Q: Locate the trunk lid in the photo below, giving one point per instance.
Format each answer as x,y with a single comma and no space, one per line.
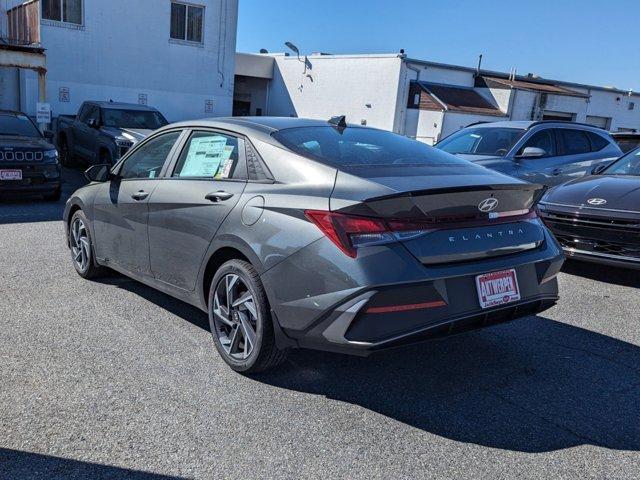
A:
464,215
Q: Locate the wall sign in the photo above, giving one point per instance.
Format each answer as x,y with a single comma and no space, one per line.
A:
142,99
43,113
208,106
63,95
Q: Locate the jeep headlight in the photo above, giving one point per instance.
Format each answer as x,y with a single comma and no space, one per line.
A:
50,155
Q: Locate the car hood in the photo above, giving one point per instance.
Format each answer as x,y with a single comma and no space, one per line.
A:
619,192
133,134
21,143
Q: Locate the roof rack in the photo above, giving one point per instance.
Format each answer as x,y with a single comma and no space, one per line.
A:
567,122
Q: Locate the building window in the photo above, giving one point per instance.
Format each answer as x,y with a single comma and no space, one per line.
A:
187,22
66,11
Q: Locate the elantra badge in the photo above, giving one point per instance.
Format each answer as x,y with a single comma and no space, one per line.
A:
596,201
488,205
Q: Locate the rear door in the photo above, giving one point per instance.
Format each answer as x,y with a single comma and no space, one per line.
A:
575,155
186,209
121,207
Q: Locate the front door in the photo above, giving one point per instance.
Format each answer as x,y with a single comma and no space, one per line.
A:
188,207
87,136
121,207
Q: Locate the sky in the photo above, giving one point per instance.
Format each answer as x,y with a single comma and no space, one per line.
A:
583,41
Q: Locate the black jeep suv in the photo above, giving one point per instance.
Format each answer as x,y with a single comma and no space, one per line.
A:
28,161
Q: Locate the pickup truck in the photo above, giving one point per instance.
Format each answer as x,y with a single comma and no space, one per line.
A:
102,132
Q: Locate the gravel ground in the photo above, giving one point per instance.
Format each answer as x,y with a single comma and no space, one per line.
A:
112,379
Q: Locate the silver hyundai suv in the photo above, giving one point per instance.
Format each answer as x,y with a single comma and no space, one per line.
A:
548,152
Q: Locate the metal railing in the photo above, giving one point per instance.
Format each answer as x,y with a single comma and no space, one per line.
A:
20,24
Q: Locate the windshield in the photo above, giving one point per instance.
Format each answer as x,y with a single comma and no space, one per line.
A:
627,165
356,147
19,125
143,119
494,141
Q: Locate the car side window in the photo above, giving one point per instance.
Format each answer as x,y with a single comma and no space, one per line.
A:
147,160
94,114
210,155
84,113
598,142
542,139
573,142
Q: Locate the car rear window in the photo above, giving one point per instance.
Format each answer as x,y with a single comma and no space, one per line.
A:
355,147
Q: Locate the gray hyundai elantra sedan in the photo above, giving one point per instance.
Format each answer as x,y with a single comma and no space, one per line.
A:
316,234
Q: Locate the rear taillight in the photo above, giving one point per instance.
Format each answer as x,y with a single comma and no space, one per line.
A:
349,232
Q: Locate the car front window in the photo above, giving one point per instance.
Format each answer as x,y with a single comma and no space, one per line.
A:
18,125
627,165
142,119
494,141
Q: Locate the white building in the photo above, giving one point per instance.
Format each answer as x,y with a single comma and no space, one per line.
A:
177,56
421,99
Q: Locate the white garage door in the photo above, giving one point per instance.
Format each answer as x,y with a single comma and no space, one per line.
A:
602,122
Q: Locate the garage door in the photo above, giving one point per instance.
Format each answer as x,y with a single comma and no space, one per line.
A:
602,122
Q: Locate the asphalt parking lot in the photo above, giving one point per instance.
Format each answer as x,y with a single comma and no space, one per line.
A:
111,379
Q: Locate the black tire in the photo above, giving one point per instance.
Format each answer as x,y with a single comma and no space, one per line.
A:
89,269
54,197
265,354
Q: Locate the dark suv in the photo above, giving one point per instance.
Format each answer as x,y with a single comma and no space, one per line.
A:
28,161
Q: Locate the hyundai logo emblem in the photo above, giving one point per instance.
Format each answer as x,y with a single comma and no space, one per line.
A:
596,201
488,204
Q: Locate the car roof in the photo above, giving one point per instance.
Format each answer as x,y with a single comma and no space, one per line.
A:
518,124
527,125
120,105
260,127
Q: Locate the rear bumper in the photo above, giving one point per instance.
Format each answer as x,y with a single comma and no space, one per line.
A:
350,320
454,309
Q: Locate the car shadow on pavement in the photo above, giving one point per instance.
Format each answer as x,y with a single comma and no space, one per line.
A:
15,464
625,277
534,385
181,309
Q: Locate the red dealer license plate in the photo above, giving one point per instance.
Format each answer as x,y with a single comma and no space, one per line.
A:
497,288
10,174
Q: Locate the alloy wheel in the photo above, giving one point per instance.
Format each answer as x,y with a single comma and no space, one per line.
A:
80,247
235,317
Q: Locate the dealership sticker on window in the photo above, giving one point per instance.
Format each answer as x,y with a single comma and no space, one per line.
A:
205,156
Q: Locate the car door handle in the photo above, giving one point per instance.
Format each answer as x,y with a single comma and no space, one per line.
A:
140,195
556,171
219,196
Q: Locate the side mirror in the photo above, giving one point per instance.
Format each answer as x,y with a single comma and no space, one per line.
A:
98,173
93,123
533,152
598,169
48,134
